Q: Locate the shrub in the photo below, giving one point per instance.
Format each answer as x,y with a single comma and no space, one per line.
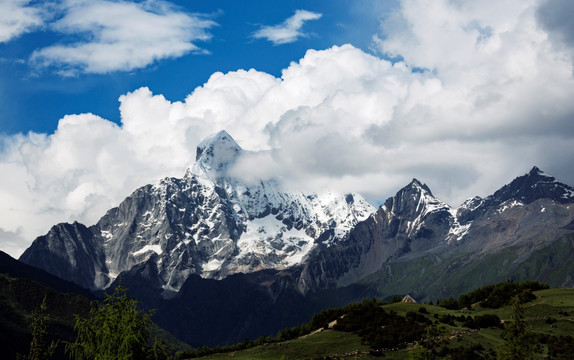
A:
483,321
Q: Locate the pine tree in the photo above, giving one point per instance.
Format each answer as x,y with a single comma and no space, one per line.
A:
115,331
519,342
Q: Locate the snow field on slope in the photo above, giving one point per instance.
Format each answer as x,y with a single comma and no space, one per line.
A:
268,235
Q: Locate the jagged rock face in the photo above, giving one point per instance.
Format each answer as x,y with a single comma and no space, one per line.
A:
71,252
413,221
513,223
206,224
178,221
182,245
216,231
533,186
529,213
414,213
522,190
211,225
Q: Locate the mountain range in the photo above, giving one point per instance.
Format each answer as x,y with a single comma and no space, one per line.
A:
221,260
205,223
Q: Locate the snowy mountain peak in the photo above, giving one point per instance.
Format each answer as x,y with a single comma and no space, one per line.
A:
533,186
414,209
419,187
472,203
216,152
208,224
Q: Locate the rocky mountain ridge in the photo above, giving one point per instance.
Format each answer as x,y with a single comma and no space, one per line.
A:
271,257
205,223
415,226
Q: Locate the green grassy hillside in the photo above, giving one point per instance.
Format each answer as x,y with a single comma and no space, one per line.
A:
550,316
460,273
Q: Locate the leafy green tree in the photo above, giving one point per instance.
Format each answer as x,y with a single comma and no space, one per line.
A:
519,341
419,352
39,348
115,331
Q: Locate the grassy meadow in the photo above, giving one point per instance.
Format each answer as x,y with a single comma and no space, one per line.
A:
551,313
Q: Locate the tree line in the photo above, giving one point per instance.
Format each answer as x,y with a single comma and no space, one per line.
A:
495,296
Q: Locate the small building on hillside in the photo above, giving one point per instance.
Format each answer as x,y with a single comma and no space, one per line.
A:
409,299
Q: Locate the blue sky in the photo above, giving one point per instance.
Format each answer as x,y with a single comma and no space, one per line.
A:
99,97
34,98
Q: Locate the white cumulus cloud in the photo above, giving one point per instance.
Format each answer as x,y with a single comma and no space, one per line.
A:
289,31
120,36
18,17
495,100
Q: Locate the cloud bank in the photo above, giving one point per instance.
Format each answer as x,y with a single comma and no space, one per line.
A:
289,31
17,18
495,99
120,36
555,17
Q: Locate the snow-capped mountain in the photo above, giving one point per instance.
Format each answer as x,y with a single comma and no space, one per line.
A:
529,213
206,223
521,191
411,222
207,249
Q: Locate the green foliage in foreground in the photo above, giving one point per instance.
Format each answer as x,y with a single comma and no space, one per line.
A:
115,330
519,341
39,348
